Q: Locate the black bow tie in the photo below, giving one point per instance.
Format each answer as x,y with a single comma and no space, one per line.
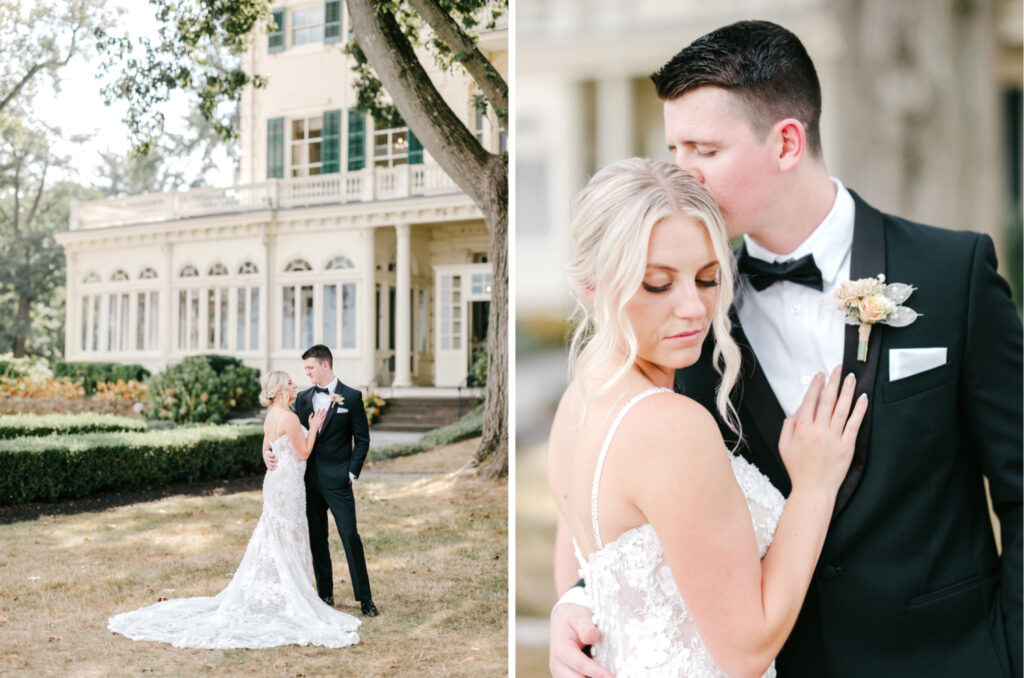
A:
763,274
320,389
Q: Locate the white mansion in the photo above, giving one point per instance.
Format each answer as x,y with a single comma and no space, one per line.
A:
339,232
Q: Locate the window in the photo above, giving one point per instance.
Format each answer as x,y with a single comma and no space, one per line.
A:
147,274
140,321
343,324
421,326
307,138
247,318
451,312
331,142
188,319
217,319
275,41
297,307
154,321
275,148
119,275
332,21
91,277
189,271
391,147
480,283
480,128
218,269
339,262
248,268
298,265
307,26
117,317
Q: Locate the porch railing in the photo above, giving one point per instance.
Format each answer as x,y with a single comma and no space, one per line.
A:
367,185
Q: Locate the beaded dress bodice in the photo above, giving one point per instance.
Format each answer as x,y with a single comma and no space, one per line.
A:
646,630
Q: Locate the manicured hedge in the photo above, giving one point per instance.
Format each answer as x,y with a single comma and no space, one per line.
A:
69,467
91,374
203,388
18,425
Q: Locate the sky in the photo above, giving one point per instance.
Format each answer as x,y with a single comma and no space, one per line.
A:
78,107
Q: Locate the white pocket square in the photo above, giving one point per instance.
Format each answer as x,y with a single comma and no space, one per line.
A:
906,362
342,410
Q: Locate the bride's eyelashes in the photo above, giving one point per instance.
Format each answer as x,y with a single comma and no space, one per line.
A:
655,289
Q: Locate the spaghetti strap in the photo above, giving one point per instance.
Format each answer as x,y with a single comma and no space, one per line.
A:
604,451
278,433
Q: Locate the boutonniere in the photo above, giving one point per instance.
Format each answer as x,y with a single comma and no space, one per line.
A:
337,399
868,301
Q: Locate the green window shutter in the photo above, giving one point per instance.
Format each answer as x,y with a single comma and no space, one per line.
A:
275,41
332,21
275,148
415,150
356,140
332,142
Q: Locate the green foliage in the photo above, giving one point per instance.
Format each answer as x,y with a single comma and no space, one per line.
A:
478,370
69,467
469,426
90,374
19,425
372,404
34,368
203,388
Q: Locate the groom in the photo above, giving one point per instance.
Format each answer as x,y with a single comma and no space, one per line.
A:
332,467
909,582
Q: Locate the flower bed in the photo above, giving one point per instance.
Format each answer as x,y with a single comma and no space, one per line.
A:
18,425
72,466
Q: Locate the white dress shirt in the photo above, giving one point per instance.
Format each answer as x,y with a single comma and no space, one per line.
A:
796,331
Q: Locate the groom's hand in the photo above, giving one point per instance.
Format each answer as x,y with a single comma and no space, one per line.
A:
572,628
269,459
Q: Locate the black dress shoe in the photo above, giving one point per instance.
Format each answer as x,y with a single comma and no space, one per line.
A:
328,599
369,609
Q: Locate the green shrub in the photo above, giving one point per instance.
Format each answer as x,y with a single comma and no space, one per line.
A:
193,391
90,374
36,369
18,425
478,371
69,467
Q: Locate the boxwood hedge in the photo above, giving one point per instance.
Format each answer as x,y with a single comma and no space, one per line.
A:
18,425
73,466
90,374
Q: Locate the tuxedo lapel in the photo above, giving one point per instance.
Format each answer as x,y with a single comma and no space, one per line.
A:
331,407
867,260
755,394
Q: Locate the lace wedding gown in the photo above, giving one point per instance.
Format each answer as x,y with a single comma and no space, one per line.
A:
646,629
270,600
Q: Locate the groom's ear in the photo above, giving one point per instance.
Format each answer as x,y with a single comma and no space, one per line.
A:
790,139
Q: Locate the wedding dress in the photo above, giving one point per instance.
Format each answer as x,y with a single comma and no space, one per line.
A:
646,631
270,600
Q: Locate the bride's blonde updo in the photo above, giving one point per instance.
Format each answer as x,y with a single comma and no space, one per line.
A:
273,384
611,229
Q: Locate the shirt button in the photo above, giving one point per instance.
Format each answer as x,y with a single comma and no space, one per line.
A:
805,380
796,308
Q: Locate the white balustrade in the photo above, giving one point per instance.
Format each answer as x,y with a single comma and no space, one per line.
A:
367,185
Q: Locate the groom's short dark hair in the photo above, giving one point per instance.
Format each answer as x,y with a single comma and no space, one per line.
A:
321,353
762,63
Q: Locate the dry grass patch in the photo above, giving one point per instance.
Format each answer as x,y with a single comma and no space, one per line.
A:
436,553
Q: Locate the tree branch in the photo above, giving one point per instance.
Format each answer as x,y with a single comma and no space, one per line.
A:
21,83
442,133
476,64
39,193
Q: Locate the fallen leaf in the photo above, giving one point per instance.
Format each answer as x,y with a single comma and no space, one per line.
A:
206,533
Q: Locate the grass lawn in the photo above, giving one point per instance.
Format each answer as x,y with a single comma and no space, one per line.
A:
436,549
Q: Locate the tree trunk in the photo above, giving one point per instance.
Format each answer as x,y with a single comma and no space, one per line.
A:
21,324
492,455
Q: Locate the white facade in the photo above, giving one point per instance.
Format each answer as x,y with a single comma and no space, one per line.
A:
339,232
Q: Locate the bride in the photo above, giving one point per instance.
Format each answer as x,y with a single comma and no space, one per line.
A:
270,600
671,531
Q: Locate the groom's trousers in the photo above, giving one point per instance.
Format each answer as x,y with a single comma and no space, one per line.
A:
342,505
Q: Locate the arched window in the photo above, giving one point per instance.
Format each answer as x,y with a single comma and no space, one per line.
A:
147,274
119,275
91,277
189,271
218,269
248,268
296,265
339,262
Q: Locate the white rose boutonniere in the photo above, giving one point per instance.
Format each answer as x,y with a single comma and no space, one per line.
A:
868,301
337,399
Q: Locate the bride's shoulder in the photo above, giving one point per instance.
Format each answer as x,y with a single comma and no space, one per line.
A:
662,422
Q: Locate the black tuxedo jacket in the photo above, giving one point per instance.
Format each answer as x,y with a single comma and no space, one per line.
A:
343,441
909,582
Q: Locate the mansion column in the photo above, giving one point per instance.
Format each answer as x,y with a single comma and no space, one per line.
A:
366,308
403,310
